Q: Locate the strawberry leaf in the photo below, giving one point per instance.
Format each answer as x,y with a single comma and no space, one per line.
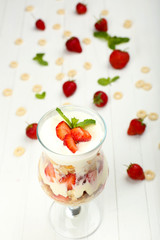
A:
39,59
40,95
107,81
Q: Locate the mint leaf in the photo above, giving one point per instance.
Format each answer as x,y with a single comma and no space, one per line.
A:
64,117
74,122
40,95
39,59
107,81
86,122
102,35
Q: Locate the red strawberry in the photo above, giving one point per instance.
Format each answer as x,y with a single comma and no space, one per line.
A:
31,131
136,127
119,59
40,24
100,98
135,172
62,129
73,45
80,135
49,171
101,25
69,87
60,198
81,8
91,176
69,142
69,179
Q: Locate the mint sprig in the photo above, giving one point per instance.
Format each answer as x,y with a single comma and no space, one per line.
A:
107,81
40,95
74,121
39,59
112,41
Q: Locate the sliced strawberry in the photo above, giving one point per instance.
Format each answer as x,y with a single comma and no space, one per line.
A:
70,143
60,198
86,136
49,171
62,129
80,135
91,176
69,179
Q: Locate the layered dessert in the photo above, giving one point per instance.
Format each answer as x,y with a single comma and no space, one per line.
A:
72,168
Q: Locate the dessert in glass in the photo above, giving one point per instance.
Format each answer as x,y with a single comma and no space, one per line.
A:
72,168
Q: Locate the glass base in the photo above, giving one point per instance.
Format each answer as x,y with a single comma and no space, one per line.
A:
75,222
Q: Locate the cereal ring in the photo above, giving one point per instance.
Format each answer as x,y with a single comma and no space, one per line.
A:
149,175
147,86
29,8
127,24
42,42
37,88
19,151
87,65
141,114
139,83
56,26
14,64
117,95
66,103
67,34
145,69
7,92
72,73
18,41
104,12
25,76
20,111
60,76
153,116
59,61
86,41
61,11
159,145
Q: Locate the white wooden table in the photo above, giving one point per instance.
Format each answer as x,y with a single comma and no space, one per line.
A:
131,209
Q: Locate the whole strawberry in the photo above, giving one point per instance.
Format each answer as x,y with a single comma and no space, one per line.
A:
136,127
73,45
31,131
135,172
101,25
100,98
81,8
40,24
69,87
119,59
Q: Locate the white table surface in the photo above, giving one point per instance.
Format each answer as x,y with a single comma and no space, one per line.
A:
131,210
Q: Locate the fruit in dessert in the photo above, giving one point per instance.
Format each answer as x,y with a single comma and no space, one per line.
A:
119,59
49,171
31,131
69,179
62,129
81,8
135,172
69,87
100,99
80,135
136,127
73,45
40,24
91,176
101,25
70,143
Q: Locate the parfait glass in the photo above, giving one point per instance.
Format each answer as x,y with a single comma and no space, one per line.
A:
72,180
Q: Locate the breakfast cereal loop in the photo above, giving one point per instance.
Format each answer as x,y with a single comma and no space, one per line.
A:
66,103
127,24
42,42
117,95
37,88
147,86
139,83
86,41
61,11
29,8
145,69
104,12
14,64
59,61
158,145
149,175
56,26
7,92
18,41
72,73
153,116
20,111
141,114
60,76
87,65
19,151
67,34
25,76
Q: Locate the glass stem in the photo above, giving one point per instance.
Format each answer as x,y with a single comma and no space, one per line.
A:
74,211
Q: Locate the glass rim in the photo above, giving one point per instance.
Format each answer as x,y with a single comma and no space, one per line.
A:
76,107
